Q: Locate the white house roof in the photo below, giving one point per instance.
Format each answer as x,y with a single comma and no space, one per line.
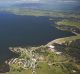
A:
51,46
58,52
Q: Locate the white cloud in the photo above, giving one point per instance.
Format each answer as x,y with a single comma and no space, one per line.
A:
19,0
27,0
67,1
43,1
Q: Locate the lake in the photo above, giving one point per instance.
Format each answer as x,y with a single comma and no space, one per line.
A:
17,30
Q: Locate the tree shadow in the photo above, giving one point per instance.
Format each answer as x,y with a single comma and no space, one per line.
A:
72,49
4,68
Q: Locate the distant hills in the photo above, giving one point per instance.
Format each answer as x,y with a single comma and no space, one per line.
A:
55,6
52,5
29,5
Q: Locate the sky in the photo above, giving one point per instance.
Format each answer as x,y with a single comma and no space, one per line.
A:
34,1
19,0
46,1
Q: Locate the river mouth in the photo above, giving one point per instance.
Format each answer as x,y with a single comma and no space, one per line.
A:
17,30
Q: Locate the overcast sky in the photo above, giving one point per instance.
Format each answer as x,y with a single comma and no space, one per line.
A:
34,1
38,0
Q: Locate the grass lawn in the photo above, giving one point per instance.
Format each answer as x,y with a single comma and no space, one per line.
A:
22,72
44,68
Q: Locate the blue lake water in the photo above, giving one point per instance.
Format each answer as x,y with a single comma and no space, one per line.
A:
16,30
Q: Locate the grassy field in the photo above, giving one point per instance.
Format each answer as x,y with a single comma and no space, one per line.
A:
22,72
69,23
44,68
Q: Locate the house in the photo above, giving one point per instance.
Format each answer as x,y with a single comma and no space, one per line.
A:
73,71
52,47
58,53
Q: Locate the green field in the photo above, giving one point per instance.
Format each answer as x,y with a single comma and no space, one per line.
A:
43,68
69,23
22,72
